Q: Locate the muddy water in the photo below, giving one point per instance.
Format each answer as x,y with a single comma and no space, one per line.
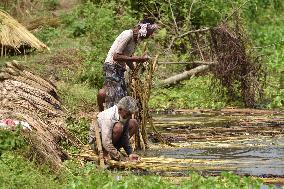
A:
246,144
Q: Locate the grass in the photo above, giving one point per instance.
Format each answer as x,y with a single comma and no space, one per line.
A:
78,96
16,172
196,92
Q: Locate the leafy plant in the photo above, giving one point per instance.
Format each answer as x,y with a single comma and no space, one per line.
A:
79,127
10,140
47,33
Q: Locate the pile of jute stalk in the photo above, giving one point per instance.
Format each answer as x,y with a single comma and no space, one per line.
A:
25,96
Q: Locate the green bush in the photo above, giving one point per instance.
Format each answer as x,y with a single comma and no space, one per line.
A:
46,34
51,4
117,180
100,24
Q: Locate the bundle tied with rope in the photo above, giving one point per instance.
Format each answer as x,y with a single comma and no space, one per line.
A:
27,97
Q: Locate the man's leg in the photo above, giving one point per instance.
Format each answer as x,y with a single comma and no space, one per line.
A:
117,132
101,99
133,127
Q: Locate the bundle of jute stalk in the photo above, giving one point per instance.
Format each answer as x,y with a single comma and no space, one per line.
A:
141,83
14,36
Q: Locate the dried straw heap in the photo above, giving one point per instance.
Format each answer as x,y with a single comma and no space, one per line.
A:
27,97
16,38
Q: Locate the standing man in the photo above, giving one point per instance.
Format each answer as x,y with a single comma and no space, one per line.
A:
116,128
120,55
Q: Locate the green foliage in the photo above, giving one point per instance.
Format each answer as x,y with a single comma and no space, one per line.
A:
225,180
267,33
17,172
79,127
100,24
278,100
92,72
105,179
196,92
10,140
47,33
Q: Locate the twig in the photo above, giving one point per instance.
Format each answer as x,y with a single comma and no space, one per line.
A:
182,35
170,45
160,137
192,62
190,9
158,10
165,25
173,17
193,31
234,11
199,49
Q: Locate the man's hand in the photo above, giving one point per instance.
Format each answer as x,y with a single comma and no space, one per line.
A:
134,157
123,158
145,58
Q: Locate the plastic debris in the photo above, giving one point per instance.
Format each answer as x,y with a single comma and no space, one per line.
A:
11,123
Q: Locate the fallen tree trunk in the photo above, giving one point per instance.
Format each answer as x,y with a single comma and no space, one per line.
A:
183,76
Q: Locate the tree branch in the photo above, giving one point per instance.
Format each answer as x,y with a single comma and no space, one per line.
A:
192,62
173,17
183,76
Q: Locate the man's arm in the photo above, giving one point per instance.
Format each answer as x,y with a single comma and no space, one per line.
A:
125,140
106,130
123,58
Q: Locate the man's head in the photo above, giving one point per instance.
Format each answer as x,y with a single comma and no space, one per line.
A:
146,28
127,106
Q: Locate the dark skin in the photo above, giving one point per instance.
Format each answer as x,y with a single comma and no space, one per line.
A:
122,59
118,130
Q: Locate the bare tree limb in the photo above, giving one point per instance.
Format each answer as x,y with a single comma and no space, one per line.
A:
177,30
183,76
200,52
192,62
190,10
152,14
193,31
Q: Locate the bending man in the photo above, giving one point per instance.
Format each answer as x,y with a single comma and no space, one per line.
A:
120,55
117,128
